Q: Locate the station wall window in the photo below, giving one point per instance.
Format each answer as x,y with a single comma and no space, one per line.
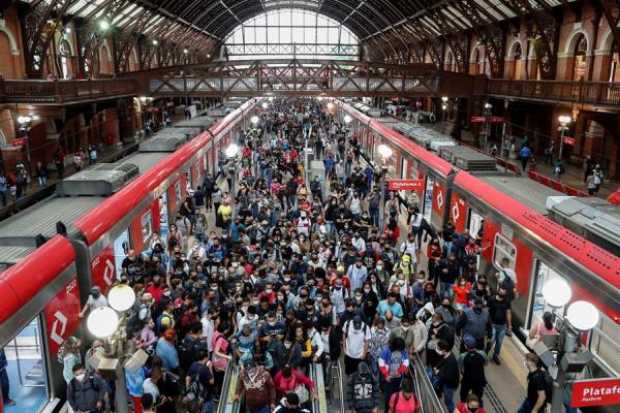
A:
26,371
504,248
605,343
147,226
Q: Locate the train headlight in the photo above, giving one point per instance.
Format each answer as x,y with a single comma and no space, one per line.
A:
102,322
121,297
582,315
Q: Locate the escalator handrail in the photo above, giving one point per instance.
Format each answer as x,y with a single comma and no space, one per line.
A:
225,389
319,404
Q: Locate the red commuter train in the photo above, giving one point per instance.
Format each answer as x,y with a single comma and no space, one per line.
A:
42,294
515,228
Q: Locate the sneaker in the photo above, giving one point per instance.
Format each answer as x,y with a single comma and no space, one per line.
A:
496,360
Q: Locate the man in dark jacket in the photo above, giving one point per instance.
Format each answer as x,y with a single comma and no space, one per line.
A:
472,366
477,323
85,393
448,373
290,404
362,392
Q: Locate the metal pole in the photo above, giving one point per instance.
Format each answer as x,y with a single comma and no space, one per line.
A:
382,200
562,129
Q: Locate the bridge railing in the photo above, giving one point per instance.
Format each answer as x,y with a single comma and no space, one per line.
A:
601,93
63,91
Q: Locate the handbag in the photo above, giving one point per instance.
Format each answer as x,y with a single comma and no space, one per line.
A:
302,392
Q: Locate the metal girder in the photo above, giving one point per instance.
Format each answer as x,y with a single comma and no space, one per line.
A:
293,77
611,10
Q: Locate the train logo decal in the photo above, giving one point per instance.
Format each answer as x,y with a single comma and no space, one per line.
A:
440,199
456,213
108,272
59,327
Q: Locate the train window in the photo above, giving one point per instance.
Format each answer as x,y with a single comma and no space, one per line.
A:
543,275
428,198
163,215
504,250
605,343
177,191
147,226
121,248
26,371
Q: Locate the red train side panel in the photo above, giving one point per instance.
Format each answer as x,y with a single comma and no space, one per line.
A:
20,283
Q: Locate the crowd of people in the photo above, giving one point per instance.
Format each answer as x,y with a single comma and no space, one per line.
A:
294,269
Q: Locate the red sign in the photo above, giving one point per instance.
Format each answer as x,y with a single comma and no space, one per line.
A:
405,184
62,316
103,270
490,119
458,212
601,392
569,140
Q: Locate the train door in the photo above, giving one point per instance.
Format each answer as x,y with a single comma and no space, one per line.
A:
163,215
428,198
542,274
26,371
121,247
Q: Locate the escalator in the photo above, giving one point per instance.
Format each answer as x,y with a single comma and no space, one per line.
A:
319,404
227,403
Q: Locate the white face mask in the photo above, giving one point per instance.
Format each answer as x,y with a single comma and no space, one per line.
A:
81,377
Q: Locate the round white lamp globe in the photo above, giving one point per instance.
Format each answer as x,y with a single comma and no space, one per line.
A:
102,322
582,315
557,292
347,119
121,297
232,150
255,119
384,150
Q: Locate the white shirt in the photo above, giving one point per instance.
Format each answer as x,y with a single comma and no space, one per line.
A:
303,226
355,339
359,244
151,388
93,302
409,248
207,331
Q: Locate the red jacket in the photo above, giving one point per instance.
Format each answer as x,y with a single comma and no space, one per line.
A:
285,385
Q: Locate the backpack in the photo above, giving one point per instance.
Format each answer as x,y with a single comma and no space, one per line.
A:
93,384
347,328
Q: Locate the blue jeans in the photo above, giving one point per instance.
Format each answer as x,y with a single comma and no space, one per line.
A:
207,407
446,288
448,397
499,332
527,406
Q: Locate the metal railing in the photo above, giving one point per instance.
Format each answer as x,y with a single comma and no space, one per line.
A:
427,398
319,404
64,91
227,403
601,93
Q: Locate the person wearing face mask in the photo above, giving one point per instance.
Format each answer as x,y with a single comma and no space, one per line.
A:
470,405
447,312
477,323
393,365
501,320
85,393
447,372
357,273
404,331
95,300
390,304
539,387
472,364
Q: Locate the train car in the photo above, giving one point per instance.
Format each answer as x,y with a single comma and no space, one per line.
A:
509,210
43,293
593,218
201,122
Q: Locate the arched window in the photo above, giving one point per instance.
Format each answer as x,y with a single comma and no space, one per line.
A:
290,33
614,64
580,59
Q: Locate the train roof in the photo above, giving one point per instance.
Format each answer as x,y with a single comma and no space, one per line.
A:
105,215
143,160
530,193
187,131
574,248
10,255
203,122
41,219
594,214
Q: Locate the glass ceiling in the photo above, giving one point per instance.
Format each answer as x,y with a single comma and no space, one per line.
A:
292,32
